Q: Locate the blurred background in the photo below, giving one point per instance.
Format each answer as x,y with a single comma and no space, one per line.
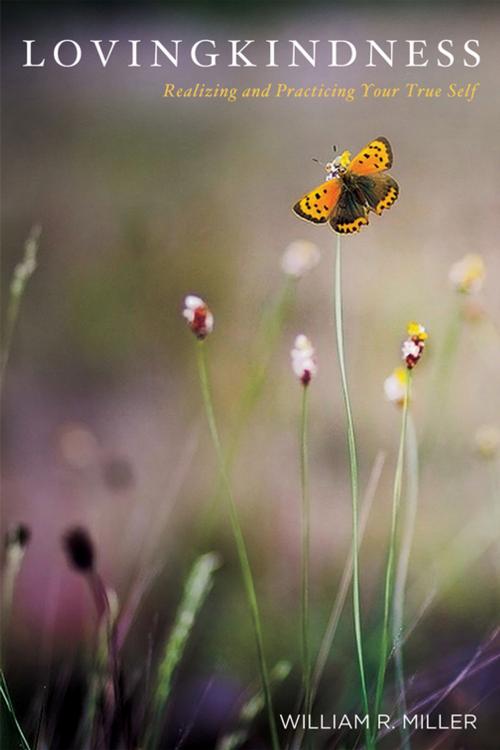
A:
143,200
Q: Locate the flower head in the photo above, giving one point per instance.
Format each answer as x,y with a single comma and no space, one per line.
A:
79,549
303,359
417,331
299,258
467,275
199,318
395,386
18,535
487,441
17,538
414,345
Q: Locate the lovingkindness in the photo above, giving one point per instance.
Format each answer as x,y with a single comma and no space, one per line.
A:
252,53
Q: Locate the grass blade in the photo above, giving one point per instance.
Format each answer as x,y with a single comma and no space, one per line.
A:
198,585
252,708
22,742
343,590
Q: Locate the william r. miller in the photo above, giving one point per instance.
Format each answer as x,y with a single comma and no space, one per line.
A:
382,721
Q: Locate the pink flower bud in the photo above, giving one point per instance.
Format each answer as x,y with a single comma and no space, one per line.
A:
199,318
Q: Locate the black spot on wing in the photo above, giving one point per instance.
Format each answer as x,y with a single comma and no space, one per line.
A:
387,145
307,215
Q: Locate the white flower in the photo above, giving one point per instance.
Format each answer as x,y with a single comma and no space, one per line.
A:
303,359
198,316
410,349
299,258
395,386
413,347
467,275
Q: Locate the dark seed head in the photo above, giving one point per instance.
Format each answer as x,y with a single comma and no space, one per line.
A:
79,549
20,535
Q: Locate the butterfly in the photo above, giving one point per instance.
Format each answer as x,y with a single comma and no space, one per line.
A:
353,188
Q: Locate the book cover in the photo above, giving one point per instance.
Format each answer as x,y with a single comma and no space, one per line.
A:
249,376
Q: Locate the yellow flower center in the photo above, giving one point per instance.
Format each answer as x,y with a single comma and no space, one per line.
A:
415,329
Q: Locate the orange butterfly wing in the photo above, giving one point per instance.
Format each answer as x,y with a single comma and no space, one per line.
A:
318,205
375,157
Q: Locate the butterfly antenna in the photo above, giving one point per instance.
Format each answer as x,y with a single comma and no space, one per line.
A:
318,161
334,148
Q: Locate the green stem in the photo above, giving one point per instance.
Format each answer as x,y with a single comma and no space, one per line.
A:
389,571
345,581
272,325
342,591
20,278
239,540
351,442
306,533
402,574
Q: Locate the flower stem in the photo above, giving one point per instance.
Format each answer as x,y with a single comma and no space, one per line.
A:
342,591
402,574
389,571
239,540
306,533
272,325
351,442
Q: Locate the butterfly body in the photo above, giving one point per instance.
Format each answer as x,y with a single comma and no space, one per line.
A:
352,189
